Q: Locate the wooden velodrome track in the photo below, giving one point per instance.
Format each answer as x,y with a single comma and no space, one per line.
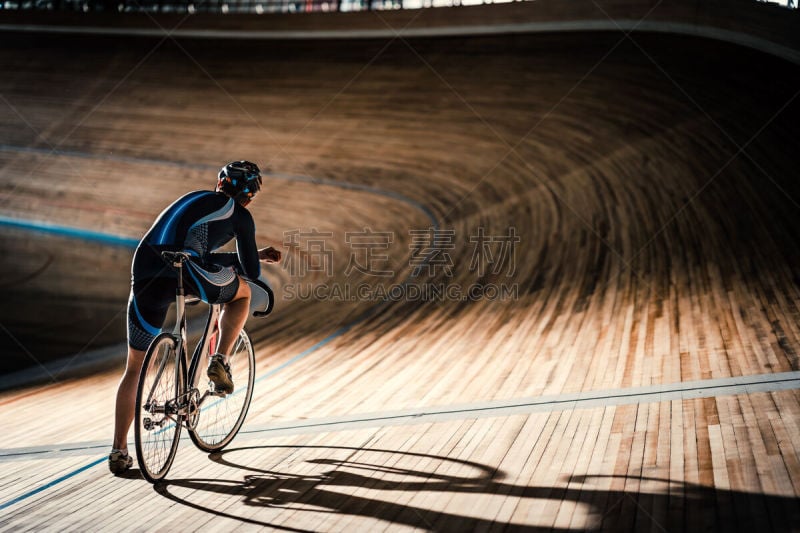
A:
644,376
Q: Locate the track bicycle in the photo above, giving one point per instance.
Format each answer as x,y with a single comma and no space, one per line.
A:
173,392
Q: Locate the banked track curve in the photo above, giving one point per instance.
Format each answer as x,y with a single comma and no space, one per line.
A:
654,250
34,375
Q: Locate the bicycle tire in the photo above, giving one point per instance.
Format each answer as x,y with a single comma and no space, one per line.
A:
220,420
161,382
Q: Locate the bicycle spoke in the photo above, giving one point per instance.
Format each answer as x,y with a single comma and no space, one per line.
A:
156,379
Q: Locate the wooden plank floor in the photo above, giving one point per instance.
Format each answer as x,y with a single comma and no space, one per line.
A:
659,246
628,467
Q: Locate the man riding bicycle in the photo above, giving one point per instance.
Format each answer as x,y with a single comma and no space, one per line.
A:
197,223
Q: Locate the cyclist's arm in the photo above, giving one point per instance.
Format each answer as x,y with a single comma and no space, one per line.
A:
246,247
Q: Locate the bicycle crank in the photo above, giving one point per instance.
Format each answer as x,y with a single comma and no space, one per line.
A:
193,409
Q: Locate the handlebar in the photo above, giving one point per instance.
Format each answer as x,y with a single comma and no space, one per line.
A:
270,298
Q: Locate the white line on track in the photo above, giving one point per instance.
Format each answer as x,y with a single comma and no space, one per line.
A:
579,400
679,28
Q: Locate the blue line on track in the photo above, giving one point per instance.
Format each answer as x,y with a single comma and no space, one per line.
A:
197,166
104,157
116,240
66,231
46,486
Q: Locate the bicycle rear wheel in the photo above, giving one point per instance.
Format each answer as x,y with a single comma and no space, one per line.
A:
220,418
158,424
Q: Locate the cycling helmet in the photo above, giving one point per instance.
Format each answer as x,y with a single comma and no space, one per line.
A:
240,180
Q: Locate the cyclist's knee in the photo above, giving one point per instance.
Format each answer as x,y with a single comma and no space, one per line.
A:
135,360
243,292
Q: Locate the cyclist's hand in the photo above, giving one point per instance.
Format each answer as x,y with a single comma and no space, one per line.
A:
269,255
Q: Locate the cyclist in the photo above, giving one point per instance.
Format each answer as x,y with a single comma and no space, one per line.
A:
197,223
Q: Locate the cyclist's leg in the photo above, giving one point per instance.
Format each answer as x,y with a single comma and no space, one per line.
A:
126,397
147,309
232,318
216,284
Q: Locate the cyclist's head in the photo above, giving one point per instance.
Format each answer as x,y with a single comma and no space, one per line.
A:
241,180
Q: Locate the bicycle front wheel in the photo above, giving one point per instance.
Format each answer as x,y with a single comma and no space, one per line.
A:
158,423
221,417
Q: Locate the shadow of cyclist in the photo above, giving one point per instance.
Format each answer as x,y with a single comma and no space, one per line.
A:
678,505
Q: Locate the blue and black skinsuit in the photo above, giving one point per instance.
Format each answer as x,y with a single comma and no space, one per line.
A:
197,223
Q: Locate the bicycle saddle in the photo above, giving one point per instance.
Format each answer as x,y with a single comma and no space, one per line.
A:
174,257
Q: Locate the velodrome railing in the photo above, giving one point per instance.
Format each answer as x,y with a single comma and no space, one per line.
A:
251,6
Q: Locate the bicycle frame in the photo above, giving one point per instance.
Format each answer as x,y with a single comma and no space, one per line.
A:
209,333
209,336
179,333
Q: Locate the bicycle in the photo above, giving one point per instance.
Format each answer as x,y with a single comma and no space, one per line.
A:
170,393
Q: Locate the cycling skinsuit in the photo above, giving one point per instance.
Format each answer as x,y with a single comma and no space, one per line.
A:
197,223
